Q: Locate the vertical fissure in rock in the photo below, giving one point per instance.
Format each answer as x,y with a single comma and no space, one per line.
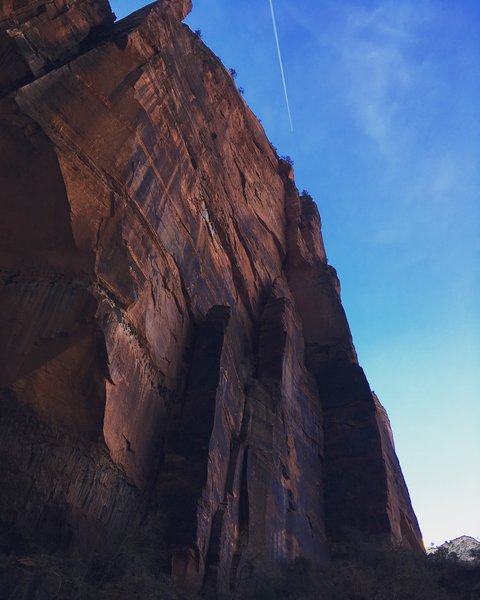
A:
243,523
185,470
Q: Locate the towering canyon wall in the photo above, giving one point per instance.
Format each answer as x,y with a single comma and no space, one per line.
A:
178,380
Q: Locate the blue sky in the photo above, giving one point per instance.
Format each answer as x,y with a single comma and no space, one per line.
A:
384,98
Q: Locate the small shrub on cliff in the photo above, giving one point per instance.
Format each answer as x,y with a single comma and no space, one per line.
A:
475,554
306,195
287,159
198,33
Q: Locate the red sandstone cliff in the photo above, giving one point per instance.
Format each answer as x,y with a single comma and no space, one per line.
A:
178,377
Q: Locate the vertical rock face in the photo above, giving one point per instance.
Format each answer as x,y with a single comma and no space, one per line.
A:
37,36
175,356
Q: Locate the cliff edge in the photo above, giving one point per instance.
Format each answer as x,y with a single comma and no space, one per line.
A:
178,380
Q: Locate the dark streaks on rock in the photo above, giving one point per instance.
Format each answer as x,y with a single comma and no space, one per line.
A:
179,382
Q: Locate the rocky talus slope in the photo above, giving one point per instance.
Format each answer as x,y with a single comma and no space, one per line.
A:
179,387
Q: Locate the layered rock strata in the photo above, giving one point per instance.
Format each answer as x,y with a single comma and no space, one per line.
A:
175,359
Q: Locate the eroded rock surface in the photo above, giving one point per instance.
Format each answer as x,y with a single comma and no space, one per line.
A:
176,362
36,36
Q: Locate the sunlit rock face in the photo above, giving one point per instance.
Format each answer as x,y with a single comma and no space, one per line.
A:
178,375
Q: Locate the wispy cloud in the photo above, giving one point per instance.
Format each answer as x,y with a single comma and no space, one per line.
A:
370,50
387,86
373,48
386,77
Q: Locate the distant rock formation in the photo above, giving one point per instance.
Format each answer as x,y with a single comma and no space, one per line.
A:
178,380
465,548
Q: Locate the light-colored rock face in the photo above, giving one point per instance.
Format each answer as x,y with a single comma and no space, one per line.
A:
465,548
167,305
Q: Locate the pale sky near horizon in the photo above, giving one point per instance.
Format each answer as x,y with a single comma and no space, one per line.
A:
385,99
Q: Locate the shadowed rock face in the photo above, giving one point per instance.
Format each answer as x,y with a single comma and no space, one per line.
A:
37,36
175,357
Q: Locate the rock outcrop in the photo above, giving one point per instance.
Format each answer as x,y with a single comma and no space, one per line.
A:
465,548
178,379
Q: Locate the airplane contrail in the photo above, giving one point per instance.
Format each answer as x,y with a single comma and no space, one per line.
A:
281,64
